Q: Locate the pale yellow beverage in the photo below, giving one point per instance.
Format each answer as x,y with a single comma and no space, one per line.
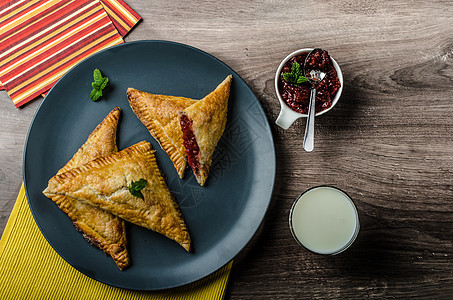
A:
324,220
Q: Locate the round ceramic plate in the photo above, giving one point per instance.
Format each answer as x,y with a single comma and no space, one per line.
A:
222,216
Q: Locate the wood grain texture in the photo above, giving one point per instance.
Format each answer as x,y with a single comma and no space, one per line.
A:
388,142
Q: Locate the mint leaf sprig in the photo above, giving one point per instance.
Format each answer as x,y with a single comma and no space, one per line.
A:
296,76
98,85
136,187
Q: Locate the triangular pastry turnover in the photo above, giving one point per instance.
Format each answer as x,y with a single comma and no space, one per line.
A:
159,113
100,228
105,183
202,125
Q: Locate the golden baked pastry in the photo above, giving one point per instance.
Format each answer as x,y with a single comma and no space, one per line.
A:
100,228
106,182
159,113
202,125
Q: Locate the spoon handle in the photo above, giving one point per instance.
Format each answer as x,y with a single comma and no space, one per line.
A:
309,138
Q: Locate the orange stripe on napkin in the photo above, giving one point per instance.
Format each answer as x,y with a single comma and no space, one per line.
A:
41,40
122,16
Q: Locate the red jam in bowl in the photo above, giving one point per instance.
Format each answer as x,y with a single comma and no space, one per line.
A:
297,97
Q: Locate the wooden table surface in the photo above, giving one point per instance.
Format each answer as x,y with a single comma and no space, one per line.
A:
388,142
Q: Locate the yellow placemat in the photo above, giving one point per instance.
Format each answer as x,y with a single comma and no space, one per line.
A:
31,269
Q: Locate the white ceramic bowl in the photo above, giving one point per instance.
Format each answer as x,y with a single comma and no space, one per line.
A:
287,116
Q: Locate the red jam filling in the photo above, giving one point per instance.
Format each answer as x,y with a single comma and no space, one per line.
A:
190,143
298,97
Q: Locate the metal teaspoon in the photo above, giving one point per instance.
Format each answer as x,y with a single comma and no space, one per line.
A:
315,77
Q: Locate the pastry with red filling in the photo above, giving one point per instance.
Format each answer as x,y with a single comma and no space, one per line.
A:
159,113
188,130
202,125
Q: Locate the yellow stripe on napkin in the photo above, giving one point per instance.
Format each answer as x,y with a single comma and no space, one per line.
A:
31,269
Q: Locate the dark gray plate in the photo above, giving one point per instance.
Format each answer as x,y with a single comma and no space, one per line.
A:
222,216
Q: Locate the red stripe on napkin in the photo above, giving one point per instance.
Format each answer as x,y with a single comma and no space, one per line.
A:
123,17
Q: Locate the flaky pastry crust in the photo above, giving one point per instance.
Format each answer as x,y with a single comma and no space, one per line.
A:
159,113
102,229
209,116
104,183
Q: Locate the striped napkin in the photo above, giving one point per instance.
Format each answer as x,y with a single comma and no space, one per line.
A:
40,40
31,269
